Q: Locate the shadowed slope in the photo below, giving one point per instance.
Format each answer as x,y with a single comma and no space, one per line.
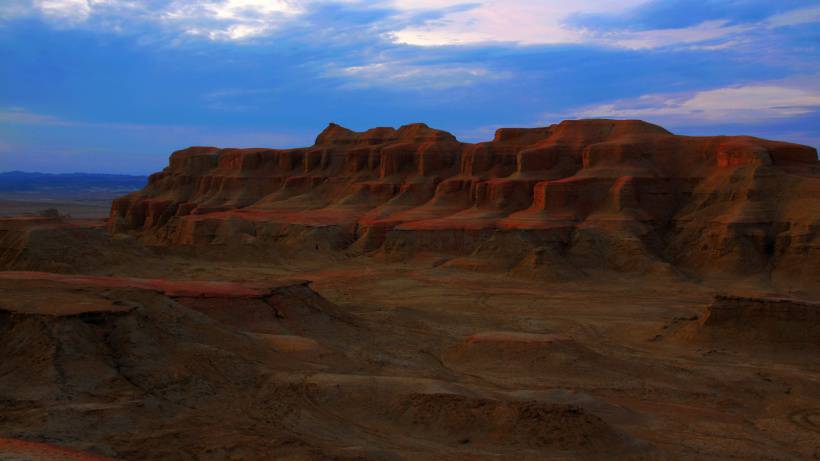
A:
157,369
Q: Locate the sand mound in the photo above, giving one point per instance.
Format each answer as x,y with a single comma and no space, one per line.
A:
58,244
462,419
290,343
755,323
447,417
505,353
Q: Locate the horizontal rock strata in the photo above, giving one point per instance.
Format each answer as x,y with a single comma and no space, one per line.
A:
583,195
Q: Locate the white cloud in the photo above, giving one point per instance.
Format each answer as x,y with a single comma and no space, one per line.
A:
428,4
544,22
21,116
707,31
795,17
462,22
519,21
740,104
13,9
235,20
237,99
405,75
175,134
231,19
72,10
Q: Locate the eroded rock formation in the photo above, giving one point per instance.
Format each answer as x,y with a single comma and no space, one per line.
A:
770,324
58,244
583,195
123,367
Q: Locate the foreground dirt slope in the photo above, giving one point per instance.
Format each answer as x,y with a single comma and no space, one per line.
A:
59,244
132,368
581,195
399,362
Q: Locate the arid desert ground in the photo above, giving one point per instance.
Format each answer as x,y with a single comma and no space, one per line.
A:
637,310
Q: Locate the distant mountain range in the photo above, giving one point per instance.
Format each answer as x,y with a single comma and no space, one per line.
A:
69,184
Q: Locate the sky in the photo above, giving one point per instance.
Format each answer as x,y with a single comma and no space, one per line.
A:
114,86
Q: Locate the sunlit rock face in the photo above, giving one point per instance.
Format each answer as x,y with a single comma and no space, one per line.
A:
584,195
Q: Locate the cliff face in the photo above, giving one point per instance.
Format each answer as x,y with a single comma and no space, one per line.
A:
579,195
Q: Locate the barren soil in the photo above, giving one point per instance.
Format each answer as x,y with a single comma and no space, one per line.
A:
84,209
398,361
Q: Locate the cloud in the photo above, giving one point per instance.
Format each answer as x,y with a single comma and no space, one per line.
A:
12,9
754,103
550,22
795,17
72,10
218,20
237,99
457,22
234,93
517,21
707,31
413,76
231,19
21,116
415,22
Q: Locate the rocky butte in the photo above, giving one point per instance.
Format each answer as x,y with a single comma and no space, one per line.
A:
560,201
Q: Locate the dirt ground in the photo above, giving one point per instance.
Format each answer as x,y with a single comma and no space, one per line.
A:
430,362
689,400
20,204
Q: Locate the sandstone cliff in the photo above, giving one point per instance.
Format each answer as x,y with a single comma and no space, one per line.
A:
570,198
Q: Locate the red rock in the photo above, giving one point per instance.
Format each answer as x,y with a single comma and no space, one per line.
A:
191,289
726,204
24,450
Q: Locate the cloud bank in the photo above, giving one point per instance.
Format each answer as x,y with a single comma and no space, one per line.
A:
757,103
148,76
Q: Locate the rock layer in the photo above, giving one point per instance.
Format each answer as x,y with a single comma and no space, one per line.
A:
586,195
756,323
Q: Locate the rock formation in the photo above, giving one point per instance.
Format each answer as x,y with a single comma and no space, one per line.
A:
584,195
154,369
58,244
770,324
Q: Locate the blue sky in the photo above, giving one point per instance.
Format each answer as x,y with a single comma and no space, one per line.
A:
116,85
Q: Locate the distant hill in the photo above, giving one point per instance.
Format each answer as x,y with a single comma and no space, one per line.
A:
70,184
